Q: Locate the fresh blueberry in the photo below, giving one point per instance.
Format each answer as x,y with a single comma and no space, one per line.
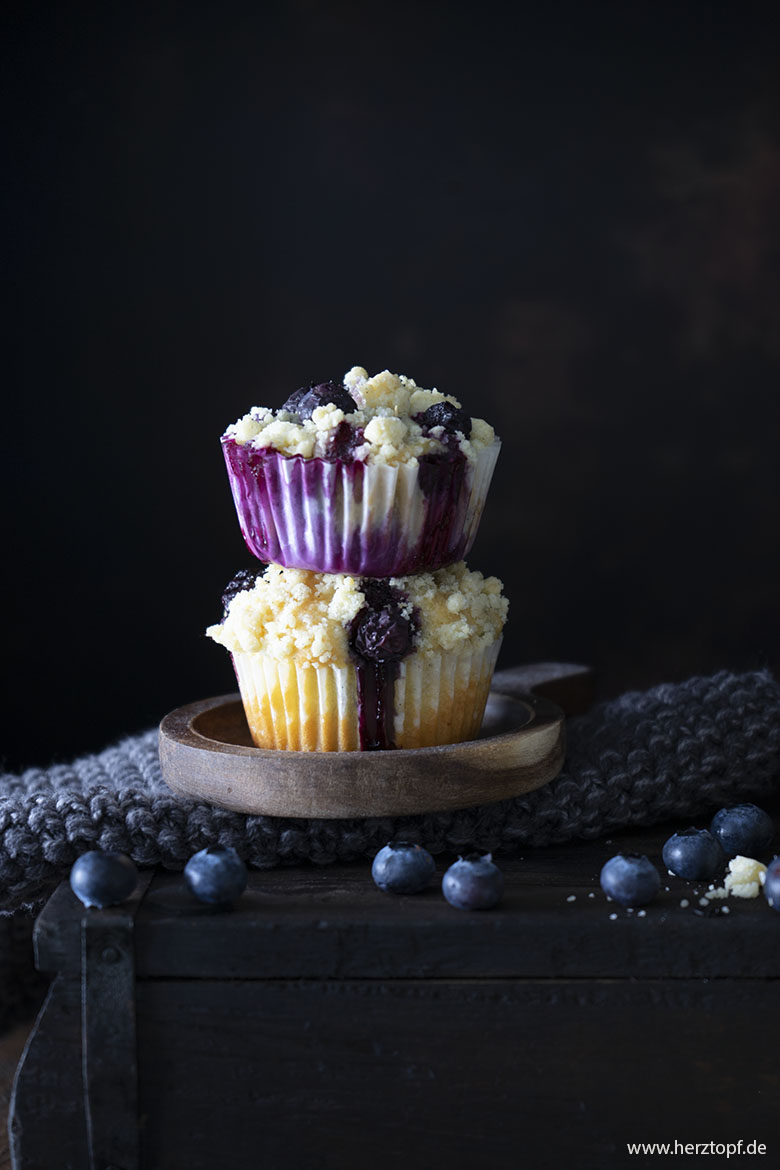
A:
103,879
402,868
444,414
473,882
630,879
305,401
694,854
772,884
216,875
244,579
743,829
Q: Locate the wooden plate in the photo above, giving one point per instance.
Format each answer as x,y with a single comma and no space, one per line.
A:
206,752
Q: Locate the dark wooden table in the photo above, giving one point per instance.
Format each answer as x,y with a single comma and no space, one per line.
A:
323,1024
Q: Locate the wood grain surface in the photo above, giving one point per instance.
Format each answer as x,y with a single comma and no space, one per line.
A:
206,752
332,922
11,1047
322,1023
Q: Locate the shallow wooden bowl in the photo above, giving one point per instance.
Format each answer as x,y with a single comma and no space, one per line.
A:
206,752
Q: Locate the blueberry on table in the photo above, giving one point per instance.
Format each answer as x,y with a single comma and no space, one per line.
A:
103,879
694,854
402,868
445,414
305,401
473,882
743,829
630,879
216,875
772,884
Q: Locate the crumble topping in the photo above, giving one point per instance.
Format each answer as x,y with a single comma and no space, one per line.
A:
304,616
386,406
744,879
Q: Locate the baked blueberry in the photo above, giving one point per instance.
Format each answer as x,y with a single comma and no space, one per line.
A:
402,867
305,401
294,401
345,442
383,635
380,632
216,875
103,879
630,879
445,414
244,579
473,882
694,854
743,829
772,884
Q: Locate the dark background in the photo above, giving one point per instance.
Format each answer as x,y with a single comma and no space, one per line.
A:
567,215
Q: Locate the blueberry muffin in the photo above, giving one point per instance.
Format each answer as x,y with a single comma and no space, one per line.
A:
372,477
332,662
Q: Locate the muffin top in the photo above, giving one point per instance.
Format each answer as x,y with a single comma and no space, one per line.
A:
384,419
327,619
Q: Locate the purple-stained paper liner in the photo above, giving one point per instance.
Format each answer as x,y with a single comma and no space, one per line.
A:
370,520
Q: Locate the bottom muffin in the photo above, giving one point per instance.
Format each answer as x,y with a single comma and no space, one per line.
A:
327,662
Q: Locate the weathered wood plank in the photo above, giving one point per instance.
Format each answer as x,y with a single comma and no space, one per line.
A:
47,1125
332,922
203,754
454,1073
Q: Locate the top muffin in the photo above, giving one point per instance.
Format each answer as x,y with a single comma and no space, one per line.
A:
389,420
372,476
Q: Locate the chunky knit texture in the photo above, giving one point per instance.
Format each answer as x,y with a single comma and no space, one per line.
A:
678,750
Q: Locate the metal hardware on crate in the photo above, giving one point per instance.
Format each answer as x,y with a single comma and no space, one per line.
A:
108,1032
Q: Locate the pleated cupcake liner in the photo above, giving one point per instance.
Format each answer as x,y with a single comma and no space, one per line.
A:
437,699
370,520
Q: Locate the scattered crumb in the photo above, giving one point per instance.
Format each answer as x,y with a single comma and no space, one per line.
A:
744,889
612,917
641,913
725,910
572,898
684,903
667,889
591,894
703,901
744,879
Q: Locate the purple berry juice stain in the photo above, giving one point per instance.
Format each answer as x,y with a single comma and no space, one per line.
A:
380,636
277,499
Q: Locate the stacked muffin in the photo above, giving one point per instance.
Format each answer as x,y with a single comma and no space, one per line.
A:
366,630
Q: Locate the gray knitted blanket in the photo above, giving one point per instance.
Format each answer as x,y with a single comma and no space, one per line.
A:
675,751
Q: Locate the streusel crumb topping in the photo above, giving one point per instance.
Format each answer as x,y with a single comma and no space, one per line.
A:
387,405
304,616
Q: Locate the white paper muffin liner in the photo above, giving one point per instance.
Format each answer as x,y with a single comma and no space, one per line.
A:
295,707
